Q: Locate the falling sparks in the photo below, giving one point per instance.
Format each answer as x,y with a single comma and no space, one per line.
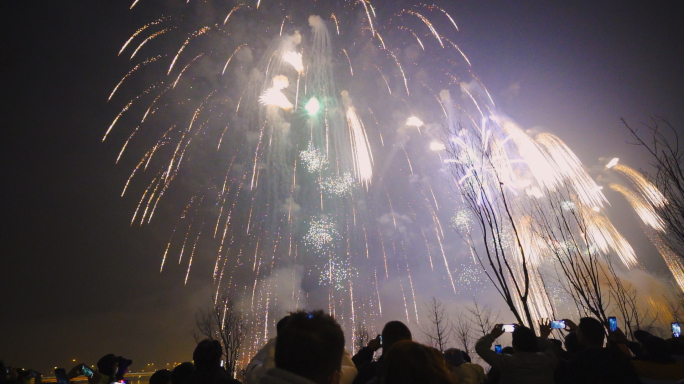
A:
274,96
338,185
429,25
361,152
200,32
322,233
295,60
313,159
295,189
413,121
648,190
645,211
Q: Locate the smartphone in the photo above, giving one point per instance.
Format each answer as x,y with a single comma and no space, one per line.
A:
380,336
676,330
558,324
61,376
498,349
509,327
612,324
86,371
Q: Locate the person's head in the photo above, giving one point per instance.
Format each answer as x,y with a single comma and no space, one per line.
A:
572,344
122,367
108,365
311,345
281,323
408,362
454,357
590,333
162,376
183,374
524,339
208,354
393,332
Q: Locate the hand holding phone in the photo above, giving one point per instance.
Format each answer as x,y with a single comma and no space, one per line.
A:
498,349
558,324
86,371
676,330
612,323
508,328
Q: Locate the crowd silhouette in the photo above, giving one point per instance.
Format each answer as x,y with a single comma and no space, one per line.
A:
309,348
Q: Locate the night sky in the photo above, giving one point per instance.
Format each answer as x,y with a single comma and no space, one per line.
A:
78,282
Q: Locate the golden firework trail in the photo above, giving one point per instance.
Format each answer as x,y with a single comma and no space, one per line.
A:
645,211
428,23
197,33
361,151
231,57
648,190
144,63
148,39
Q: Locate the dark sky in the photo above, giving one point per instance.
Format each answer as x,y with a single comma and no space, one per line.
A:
79,282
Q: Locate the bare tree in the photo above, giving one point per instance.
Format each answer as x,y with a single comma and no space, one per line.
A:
463,332
486,196
439,332
667,157
481,318
675,306
225,323
579,263
626,298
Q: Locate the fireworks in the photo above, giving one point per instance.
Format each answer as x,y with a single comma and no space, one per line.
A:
337,273
413,121
648,190
338,185
463,220
274,96
570,168
363,158
312,106
322,233
294,59
437,146
313,159
567,205
646,212
247,114
471,277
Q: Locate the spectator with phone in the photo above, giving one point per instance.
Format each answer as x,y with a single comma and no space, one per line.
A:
594,363
654,361
534,360
369,370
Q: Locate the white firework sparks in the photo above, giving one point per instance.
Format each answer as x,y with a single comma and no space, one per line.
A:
313,159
